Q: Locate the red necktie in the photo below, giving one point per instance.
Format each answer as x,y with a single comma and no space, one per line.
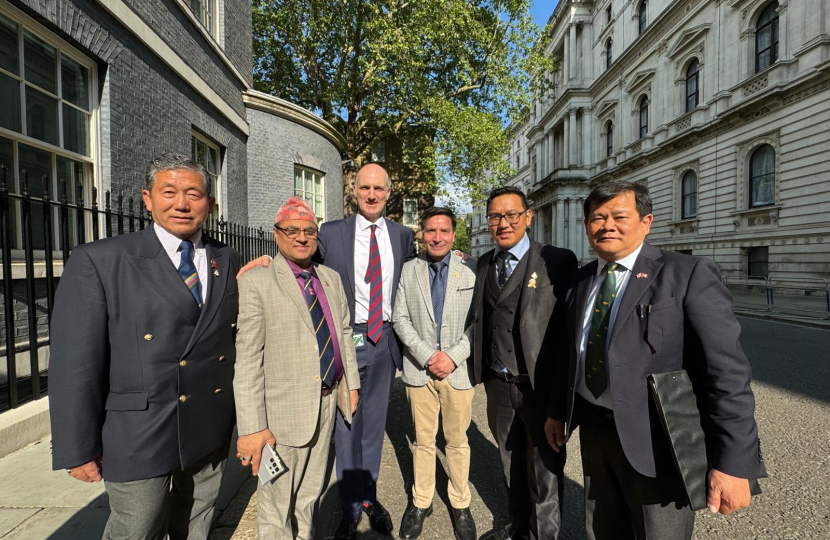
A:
374,278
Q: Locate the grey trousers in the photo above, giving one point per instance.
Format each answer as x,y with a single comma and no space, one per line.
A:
179,504
287,504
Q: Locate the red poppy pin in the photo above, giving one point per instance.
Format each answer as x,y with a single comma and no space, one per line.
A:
215,267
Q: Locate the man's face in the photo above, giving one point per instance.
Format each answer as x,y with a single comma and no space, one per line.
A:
438,236
298,249
615,229
179,202
506,234
371,192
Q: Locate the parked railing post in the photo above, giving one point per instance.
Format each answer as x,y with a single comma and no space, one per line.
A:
96,233
31,299
63,220
108,214
81,218
48,232
8,290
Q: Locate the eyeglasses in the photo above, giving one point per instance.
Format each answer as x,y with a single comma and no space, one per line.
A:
511,217
294,232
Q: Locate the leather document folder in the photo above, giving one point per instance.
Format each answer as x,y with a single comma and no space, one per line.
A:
676,404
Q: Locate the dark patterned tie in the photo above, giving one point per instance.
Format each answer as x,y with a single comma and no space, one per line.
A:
374,277
438,297
596,378
504,269
318,318
187,270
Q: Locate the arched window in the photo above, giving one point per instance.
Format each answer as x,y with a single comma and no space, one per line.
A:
692,86
762,176
609,139
643,116
766,38
688,200
643,17
608,56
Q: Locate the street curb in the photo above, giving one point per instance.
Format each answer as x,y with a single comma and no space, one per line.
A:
24,425
811,323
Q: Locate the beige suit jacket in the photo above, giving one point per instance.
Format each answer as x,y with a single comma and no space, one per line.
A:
414,321
277,380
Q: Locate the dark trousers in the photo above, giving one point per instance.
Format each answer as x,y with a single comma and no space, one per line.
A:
621,503
358,446
532,471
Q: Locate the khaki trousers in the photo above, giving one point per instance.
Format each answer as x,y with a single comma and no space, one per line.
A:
426,402
288,502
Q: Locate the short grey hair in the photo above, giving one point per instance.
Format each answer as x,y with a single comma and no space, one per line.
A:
174,162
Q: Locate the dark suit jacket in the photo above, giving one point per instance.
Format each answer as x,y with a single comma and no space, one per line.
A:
127,343
335,249
539,314
691,327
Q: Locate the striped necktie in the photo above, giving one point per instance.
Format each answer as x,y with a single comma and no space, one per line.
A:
374,277
438,297
504,269
318,319
596,378
187,270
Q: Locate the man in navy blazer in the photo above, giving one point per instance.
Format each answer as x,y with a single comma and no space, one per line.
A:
141,373
637,311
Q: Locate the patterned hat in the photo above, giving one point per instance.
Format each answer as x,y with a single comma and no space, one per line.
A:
295,208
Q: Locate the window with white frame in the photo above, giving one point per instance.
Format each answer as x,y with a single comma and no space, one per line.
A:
379,152
205,11
207,154
762,176
692,85
310,185
688,197
46,121
766,38
410,212
643,116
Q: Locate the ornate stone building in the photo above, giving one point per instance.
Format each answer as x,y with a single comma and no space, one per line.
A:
719,106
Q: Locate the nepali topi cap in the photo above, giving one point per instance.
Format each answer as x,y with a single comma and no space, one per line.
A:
295,208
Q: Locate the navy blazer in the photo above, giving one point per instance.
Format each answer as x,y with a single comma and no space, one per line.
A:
691,326
335,249
138,374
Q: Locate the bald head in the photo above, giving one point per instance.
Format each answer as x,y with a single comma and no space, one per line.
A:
371,190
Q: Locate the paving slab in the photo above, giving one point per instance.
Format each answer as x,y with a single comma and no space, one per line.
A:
62,524
12,517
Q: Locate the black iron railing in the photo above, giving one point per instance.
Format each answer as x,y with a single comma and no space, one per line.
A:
37,234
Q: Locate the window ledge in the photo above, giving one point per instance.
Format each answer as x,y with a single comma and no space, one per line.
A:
689,225
761,217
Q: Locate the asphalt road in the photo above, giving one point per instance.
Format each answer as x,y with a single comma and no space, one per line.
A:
791,367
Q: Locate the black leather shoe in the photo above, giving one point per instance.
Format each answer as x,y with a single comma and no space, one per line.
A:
379,517
346,531
413,522
463,524
510,532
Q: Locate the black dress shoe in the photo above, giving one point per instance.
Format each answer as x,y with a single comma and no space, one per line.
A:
346,531
379,518
413,522
463,524
509,532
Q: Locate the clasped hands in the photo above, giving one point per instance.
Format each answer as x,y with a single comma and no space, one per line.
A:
440,365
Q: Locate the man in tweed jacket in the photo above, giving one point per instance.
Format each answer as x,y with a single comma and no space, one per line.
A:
295,364
431,307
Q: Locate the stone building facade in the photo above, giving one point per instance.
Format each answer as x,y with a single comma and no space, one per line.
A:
719,106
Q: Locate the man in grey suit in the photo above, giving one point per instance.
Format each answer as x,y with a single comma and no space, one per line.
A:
636,311
295,361
515,309
142,362
431,310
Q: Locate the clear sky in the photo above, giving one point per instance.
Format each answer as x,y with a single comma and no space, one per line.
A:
542,10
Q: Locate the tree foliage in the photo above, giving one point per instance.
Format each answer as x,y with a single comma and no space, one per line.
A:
458,69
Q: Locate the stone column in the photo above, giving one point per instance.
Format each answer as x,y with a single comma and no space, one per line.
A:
572,211
566,62
551,148
587,137
573,158
538,163
579,231
554,229
545,164
572,51
559,223
566,135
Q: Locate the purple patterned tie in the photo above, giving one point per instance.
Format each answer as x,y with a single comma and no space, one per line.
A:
374,278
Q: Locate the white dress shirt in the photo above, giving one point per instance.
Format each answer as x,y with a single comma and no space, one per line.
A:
362,236
622,276
171,244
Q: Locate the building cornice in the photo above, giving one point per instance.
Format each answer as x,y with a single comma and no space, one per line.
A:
267,103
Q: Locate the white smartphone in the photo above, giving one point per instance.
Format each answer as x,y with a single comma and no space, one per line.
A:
271,465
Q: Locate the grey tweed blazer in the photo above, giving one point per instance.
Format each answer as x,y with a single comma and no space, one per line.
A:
414,321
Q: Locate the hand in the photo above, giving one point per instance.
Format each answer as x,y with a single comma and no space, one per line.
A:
249,448
88,472
264,261
354,397
441,365
726,493
555,432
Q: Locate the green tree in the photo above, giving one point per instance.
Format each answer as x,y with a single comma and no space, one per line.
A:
457,69
462,235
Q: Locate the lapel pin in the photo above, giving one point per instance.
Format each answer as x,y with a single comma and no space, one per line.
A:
455,274
531,283
641,275
215,267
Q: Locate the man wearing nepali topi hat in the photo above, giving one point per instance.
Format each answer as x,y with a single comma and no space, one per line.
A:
295,364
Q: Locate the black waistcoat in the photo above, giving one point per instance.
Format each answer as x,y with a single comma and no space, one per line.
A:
501,319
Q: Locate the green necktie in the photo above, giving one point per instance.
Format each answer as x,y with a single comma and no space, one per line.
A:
596,378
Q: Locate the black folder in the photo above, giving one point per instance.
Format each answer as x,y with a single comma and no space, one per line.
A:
676,404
